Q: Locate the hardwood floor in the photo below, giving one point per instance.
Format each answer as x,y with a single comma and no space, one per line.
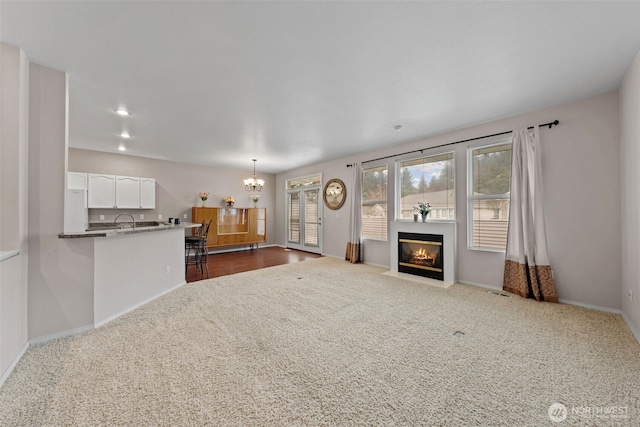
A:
222,264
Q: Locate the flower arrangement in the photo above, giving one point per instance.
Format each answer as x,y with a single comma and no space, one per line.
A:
423,208
204,195
229,201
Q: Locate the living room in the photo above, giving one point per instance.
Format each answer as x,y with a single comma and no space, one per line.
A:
588,163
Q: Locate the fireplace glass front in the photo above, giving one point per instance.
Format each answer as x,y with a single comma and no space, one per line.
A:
421,254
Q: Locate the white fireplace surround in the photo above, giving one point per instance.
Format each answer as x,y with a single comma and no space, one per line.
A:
446,228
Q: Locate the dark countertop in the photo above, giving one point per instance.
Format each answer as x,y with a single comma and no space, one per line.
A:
95,231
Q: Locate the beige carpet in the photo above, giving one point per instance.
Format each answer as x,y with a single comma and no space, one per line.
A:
325,342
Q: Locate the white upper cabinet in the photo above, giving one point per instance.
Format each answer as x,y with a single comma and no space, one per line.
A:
76,181
127,192
147,193
122,192
102,191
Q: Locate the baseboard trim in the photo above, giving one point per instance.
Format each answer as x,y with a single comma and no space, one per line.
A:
70,332
634,331
13,364
629,323
373,264
585,305
140,304
480,285
239,249
62,334
341,258
626,318
75,331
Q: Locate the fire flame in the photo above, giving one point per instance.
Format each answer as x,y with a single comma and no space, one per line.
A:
423,254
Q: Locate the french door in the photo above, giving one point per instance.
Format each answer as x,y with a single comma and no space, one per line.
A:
304,219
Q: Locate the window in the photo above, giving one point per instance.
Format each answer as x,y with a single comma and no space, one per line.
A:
488,195
429,180
307,181
374,203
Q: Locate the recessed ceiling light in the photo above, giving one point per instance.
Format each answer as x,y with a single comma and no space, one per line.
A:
125,135
122,148
397,127
122,112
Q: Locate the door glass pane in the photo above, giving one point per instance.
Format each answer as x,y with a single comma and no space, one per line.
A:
311,217
294,217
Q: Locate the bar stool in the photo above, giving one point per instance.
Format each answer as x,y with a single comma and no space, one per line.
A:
198,244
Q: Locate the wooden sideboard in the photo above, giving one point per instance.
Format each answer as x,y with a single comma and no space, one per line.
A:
233,226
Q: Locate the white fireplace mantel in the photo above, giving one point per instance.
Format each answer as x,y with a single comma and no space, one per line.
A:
446,228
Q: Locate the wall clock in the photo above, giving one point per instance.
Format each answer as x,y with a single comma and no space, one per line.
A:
334,193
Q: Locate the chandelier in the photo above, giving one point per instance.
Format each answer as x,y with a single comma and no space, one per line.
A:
253,184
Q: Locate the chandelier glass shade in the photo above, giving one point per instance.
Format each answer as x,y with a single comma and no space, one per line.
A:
253,184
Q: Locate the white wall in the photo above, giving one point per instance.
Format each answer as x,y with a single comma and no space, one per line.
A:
177,185
10,101
630,188
580,167
141,261
14,110
60,296
335,224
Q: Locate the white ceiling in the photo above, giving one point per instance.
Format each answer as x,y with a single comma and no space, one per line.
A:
296,83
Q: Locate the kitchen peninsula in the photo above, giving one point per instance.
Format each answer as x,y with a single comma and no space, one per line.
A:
129,267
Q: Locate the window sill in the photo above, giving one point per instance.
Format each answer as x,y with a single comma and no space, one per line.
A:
447,221
374,239
501,251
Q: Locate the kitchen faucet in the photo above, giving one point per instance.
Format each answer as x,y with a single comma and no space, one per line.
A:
128,214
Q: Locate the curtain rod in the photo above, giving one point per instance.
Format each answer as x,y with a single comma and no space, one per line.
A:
553,123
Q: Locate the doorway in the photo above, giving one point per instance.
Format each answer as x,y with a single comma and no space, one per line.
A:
304,214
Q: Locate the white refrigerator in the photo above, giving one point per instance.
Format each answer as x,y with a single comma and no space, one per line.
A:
76,213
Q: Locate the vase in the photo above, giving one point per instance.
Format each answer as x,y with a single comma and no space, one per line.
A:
204,203
424,217
415,217
230,204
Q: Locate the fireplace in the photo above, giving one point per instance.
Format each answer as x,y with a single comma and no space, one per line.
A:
421,254
445,230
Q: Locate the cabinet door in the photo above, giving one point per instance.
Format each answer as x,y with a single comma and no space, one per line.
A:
147,193
76,181
207,214
127,192
102,191
261,224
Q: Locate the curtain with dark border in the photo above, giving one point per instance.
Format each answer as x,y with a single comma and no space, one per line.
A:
354,245
527,271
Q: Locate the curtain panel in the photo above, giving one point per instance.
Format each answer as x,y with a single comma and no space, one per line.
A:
527,271
354,245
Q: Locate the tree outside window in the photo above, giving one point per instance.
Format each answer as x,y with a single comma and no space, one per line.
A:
430,180
374,203
490,175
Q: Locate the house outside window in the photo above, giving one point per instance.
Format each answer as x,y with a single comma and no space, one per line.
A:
488,195
374,203
429,179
